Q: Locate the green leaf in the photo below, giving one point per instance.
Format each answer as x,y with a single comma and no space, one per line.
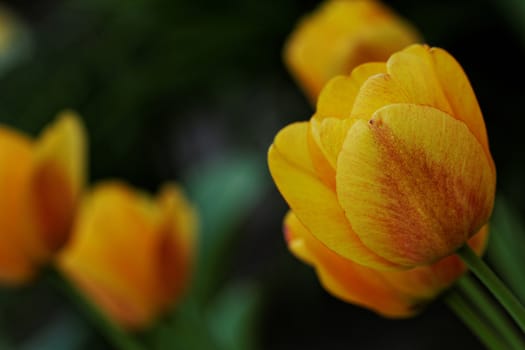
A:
224,192
64,332
187,329
233,315
506,246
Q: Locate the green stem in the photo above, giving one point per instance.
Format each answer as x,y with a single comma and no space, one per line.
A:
492,312
116,335
493,284
486,334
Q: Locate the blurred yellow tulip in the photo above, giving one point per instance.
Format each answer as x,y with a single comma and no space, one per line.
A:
394,170
41,181
339,36
390,293
130,253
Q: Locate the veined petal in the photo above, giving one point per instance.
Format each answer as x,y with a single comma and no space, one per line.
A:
58,178
413,70
460,95
378,91
337,97
329,135
325,171
414,183
314,203
345,279
428,281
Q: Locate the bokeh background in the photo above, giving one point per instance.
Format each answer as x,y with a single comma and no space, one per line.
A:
194,92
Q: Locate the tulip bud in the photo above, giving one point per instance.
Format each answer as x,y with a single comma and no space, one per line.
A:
41,182
130,253
394,170
392,293
339,36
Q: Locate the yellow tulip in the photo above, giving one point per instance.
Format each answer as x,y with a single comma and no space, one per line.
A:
41,181
394,170
339,36
130,253
394,293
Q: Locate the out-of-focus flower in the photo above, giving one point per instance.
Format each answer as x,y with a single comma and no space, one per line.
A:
339,36
394,169
40,181
389,293
130,253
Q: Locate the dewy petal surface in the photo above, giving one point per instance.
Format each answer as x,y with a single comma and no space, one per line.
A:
414,183
314,203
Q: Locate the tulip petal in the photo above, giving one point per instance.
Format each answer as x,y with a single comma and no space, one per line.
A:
337,97
329,125
15,170
314,203
378,91
329,135
58,178
345,279
414,183
460,95
114,217
325,171
176,242
414,71
429,281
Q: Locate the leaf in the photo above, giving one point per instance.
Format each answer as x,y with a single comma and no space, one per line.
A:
63,332
233,315
506,246
188,329
224,191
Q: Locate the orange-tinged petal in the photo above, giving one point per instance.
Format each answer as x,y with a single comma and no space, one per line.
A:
111,218
414,71
314,203
390,293
57,180
339,36
329,135
429,281
322,167
414,183
177,244
148,270
460,95
345,279
337,97
378,91
328,127
15,171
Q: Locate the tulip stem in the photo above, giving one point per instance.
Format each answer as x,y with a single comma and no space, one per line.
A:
494,285
491,311
486,334
114,334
